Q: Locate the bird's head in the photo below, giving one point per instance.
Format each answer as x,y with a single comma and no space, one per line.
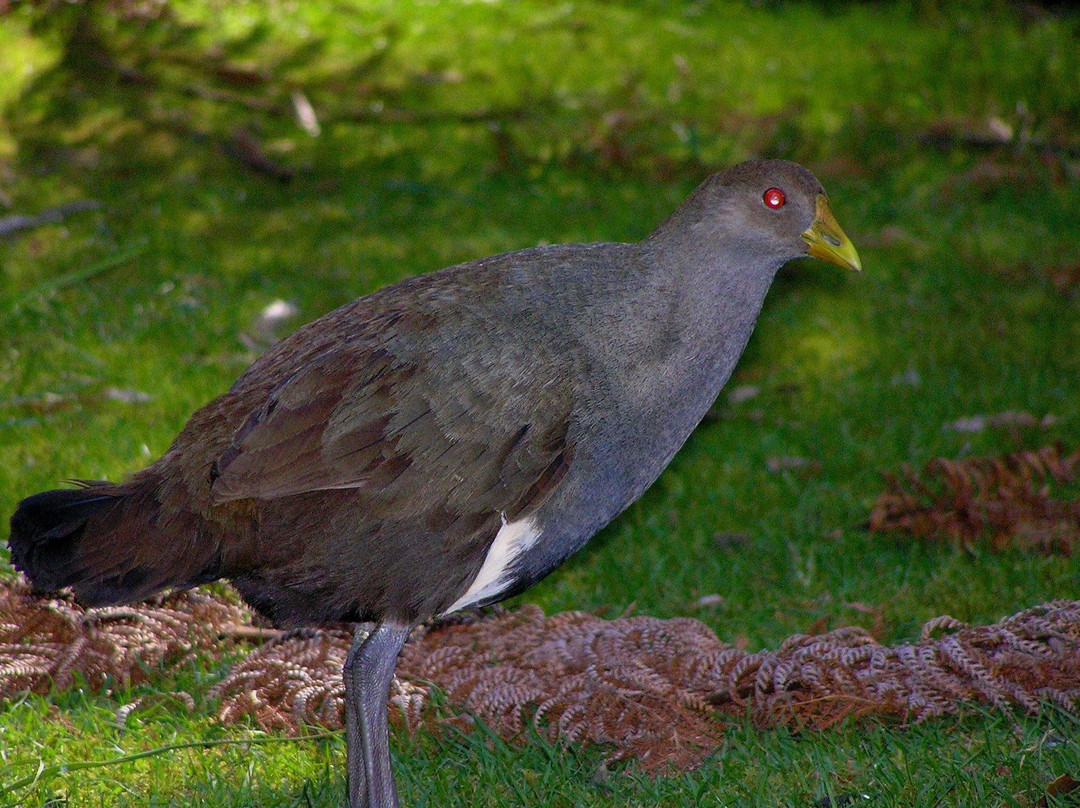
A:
779,207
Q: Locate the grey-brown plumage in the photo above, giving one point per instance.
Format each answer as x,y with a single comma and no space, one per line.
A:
445,441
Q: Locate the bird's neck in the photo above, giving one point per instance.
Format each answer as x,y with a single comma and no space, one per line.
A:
711,292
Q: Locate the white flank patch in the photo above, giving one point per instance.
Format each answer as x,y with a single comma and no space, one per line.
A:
513,539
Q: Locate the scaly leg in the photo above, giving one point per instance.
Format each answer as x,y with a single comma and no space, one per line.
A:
368,672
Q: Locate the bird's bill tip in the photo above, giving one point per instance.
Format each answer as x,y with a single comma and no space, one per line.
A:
826,239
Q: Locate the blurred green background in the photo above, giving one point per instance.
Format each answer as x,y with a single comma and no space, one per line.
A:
182,166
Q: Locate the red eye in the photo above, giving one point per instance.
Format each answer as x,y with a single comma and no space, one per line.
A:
774,198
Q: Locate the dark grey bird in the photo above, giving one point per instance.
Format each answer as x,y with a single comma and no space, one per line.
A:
444,442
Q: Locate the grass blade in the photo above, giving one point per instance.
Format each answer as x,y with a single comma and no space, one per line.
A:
73,277
48,772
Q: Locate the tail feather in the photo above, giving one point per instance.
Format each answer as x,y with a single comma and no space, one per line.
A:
100,540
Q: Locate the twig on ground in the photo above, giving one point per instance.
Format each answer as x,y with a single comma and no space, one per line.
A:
9,225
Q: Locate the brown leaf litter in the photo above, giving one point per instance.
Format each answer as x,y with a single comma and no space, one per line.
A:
295,680
1008,499
654,690
658,690
48,643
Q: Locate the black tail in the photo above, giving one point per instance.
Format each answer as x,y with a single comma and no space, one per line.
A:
47,531
101,540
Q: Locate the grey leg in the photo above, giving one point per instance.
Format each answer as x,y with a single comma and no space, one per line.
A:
368,672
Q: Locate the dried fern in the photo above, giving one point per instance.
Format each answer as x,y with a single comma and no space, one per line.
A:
1030,657
295,680
1008,500
653,690
658,690
46,643
633,683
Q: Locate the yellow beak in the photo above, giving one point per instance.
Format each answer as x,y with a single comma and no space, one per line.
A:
828,242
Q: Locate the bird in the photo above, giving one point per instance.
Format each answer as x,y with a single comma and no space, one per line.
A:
443,442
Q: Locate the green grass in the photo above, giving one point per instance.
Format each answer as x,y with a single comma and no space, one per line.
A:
603,117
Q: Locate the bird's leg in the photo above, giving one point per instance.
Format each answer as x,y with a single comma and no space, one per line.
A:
368,672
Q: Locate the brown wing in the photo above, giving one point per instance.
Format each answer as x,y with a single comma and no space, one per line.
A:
415,446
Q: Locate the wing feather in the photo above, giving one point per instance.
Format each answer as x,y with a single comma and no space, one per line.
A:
363,418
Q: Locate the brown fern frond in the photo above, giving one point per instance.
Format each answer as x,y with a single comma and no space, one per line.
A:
47,643
656,691
1012,500
294,680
